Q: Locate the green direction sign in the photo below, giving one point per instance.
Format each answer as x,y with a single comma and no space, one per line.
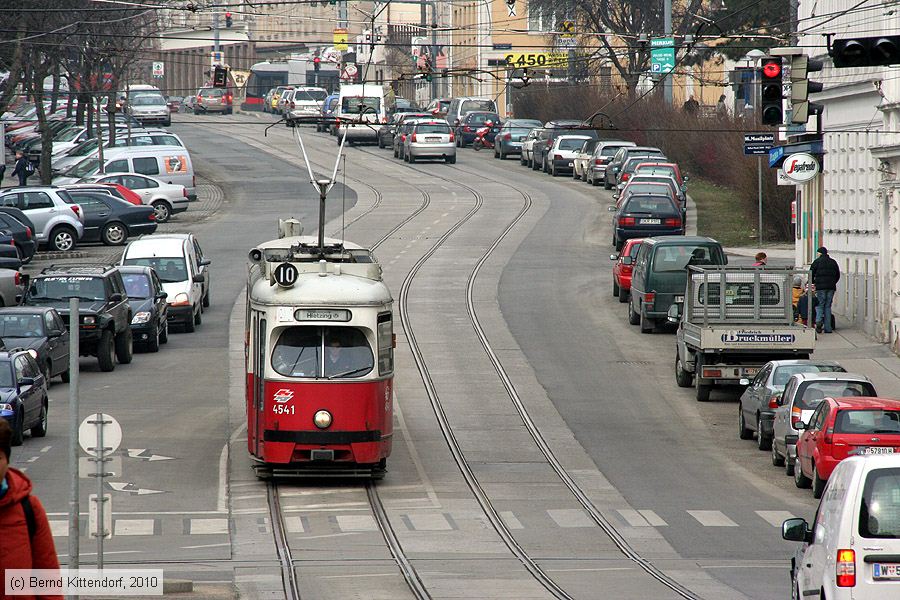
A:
662,55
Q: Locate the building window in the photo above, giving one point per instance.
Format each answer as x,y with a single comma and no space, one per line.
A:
541,19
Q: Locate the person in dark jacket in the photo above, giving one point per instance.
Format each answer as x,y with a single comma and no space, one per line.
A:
23,168
825,274
18,548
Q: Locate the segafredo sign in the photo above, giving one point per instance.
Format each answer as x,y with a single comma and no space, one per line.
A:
801,167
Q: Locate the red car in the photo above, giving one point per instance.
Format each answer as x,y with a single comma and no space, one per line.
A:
842,427
623,267
667,168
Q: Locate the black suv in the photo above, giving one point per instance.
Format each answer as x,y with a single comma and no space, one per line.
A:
105,315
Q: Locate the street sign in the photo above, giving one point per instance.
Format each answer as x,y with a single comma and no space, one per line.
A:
87,466
662,55
340,38
567,29
502,46
88,434
537,59
159,69
775,155
93,517
216,59
758,144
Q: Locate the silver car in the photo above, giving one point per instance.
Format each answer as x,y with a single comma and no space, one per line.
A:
801,396
595,170
430,139
756,411
59,220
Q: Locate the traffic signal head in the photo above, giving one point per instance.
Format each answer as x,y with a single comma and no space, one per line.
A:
801,87
228,21
878,51
770,76
220,77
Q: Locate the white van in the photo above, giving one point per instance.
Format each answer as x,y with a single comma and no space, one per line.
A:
171,164
853,547
360,111
182,270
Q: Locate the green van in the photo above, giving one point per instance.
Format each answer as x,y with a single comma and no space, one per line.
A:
660,274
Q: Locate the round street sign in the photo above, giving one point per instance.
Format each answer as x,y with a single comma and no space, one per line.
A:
88,438
351,70
801,167
285,274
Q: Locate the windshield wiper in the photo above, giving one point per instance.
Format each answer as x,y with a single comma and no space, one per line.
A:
351,372
43,298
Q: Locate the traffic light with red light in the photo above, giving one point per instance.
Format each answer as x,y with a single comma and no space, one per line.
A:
771,111
228,21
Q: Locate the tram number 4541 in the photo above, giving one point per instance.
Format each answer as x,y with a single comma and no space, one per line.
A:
281,409
537,59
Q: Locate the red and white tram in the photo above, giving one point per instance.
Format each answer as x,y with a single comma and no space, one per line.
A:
320,358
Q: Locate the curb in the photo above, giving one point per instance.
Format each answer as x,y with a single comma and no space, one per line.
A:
59,255
177,586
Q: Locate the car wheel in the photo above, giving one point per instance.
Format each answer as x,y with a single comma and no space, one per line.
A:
196,111
380,142
451,160
153,342
65,376
553,171
522,161
606,185
164,334
534,164
46,370
163,211
818,484
40,430
18,430
763,442
198,317
412,159
777,459
396,154
167,123
114,234
501,155
125,347
615,288
189,324
703,390
788,466
624,295
647,324
106,352
743,431
633,317
63,239
683,378
575,175
800,480
206,299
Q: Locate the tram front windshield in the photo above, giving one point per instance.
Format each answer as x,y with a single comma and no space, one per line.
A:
322,352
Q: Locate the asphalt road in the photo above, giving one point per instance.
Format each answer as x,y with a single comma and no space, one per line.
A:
668,473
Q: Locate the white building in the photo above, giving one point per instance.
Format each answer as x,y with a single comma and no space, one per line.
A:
851,209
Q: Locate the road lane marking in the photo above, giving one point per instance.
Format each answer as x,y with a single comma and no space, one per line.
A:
775,517
294,525
510,519
32,459
354,523
133,527
570,517
45,449
219,545
59,528
414,454
654,519
208,526
712,518
428,522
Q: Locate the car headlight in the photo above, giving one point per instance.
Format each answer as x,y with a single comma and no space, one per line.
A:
322,419
141,317
181,299
89,320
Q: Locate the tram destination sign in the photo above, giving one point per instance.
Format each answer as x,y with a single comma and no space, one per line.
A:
322,314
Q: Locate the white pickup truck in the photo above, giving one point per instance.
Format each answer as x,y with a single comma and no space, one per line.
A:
724,338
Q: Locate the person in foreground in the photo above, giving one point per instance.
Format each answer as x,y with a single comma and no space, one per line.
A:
25,538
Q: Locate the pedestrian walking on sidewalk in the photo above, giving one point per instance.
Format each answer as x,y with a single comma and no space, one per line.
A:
761,259
26,541
825,274
23,169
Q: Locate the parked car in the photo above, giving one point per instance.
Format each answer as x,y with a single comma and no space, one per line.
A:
38,328
438,107
462,105
147,298
284,101
267,100
511,135
852,550
23,395
19,230
430,139
583,156
611,174
139,139
111,220
213,99
167,199
627,169
643,181
646,215
561,156
843,427
758,403
469,125
149,108
404,129
115,190
595,169
802,394
58,220
174,103
527,153
623,268
387,131
551,131
662,168
188,102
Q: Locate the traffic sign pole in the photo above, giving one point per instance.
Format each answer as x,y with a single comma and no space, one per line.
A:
760,181
74,529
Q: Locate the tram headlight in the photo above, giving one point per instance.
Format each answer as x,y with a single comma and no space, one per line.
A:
322,419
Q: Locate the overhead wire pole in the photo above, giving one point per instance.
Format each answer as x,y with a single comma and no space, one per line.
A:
667,76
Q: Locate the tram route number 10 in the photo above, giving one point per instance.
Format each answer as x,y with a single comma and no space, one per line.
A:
537,59
285,274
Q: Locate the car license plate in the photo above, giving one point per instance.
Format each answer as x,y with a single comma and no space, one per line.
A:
650,221
878,450
432,139
750,371
679,298
886,571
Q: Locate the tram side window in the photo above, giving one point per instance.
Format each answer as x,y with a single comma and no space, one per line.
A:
298,352
332,352
385,344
